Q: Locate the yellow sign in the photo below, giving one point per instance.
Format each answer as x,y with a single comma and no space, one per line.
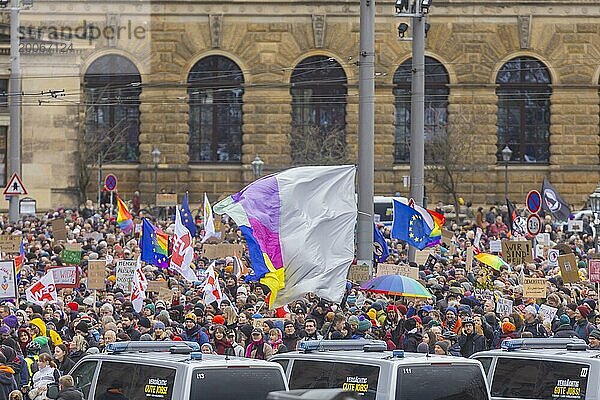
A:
534,287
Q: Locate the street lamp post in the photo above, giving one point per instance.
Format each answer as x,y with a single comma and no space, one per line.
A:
257,167
506,155
595,205
155,159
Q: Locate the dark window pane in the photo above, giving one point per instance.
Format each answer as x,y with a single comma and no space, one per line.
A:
318,111
215,89
112,88
452,382
436,107
136,381
83,376
524,110
235,383
3,93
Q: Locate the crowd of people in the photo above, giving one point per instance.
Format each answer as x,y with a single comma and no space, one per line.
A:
40,343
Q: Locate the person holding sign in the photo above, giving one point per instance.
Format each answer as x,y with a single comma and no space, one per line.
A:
531,323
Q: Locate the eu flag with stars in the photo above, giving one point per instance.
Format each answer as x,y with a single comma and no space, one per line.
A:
409,226
186,216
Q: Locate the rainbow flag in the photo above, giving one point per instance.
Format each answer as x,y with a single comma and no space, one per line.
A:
491,260
434,220
155,245
19,261
299,227
124,218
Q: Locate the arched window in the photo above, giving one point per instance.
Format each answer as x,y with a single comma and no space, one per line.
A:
215,89
436,107
112,87
318,89
524,110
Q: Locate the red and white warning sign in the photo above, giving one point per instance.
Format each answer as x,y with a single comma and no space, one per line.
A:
15,186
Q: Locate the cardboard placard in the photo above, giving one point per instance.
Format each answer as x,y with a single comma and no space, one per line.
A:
222,250
96,273
397,269
430,262
470,255
422,256
166,199
575,225
156,286
359,273
568,268
65,277
548,313
447,236
71,254
259,322
10,243
59,230
534,287
166,295
124,271
543,238
504,306
97,236
517,252
594,270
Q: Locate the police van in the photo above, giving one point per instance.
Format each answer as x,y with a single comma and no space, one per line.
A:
383,208
532,369
174,371
366,367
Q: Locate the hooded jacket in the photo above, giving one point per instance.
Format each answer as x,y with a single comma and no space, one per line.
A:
7,381
565,331
53,337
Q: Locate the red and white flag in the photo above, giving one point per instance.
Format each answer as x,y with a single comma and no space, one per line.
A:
212,288
42,291
139,286
239,268
182,254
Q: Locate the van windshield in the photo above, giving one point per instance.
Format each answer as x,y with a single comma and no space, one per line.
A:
441,382
235,383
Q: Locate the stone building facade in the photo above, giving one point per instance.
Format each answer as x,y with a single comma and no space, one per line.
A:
475,43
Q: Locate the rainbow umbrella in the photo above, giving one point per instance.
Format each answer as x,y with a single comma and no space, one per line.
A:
491,260
396,285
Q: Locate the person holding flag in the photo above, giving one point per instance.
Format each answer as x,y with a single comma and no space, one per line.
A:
212,288
209,222
183,251
139,286
124,218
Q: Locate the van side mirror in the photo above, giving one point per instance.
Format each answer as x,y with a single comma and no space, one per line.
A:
53,390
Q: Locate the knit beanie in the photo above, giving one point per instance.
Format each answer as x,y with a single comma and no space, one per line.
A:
565,320
453,310
443,344
508,327
402,309
364,325
584,311
82,326
218,319
353,320
11,321
372,313
191,317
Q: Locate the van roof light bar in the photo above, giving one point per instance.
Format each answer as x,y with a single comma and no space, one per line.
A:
340,345
542,343
150,346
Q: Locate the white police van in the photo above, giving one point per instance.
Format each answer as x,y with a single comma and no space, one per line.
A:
383,207
174,371
540,369
365,367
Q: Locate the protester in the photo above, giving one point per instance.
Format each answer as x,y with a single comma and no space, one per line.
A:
67,390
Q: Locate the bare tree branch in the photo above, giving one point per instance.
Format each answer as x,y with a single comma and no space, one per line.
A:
317,146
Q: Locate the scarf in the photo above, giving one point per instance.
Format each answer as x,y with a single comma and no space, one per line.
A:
260,355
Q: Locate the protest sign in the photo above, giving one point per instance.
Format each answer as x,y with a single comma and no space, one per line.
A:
470,255
594,270
10,243
568,268
97,236
553,257
422,256
71,254
8,280
504,306
59,230
534,287
447,236
547,312
543,238
96,271
65,277
124,272
430,262
166,295
397,269
517,252
359,273
495,246
259,322
156,286
222,250
43,291
575,225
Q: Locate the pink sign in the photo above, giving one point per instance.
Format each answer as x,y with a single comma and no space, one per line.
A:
594,267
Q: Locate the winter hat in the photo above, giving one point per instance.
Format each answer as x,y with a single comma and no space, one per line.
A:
73,306
377,306
218,319
353,320
591,303
11,321
410,324
82,326
351,299
372,313
159,325
160,304
565,320
4,329
418,319
508,327
423,348
453,310
443,344
145,322
150,307
364,325
191,317
402,309
584,311
145,337
392,307
41,340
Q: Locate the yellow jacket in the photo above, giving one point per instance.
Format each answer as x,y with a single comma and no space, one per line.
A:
52,335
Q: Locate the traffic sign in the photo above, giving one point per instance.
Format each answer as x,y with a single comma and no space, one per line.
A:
534,224
534,201
110,182
15,186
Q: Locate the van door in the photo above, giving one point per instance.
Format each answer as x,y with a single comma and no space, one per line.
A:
521,378
83,376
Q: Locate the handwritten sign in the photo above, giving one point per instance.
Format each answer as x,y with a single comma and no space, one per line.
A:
422,256
568,268
156,286
212,251
8,280
166,295
594,270
59,230
534,287
495,246
96,272
397,269
10,243
548,313
504,306
517,252
124,272
166,199
71,254
470,255
65,277
359,273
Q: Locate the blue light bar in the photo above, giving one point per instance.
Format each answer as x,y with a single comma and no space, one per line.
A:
340,345
149,346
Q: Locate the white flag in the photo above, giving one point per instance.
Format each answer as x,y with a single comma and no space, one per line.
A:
139,286
209,222
42,291
183,252
212,288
